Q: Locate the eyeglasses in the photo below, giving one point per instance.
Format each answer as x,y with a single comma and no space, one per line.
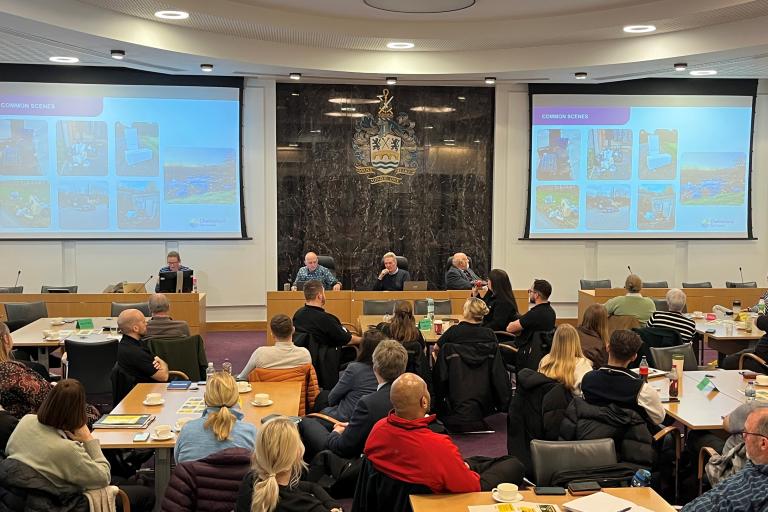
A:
745,434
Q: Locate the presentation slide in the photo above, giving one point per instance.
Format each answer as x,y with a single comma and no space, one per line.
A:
610,166
119,161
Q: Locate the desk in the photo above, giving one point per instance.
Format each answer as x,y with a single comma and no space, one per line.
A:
286,396
643,496
699,299
364,321
729,382
727,343
184,306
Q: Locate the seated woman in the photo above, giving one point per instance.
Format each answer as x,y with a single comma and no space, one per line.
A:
565,362
633,303
470,329
500,301
593,334
403,328
221,425
356,381
273,484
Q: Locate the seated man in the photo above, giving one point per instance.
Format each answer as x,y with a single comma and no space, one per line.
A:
633,303
746,490
391,278
133,355
615,384
541,316
174,265
674,319
162,325
731,362
313,271
347,440
283,354
460,276
403,447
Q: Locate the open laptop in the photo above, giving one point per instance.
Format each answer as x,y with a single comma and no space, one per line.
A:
415,286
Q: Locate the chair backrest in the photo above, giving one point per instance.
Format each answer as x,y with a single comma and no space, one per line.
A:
20,314
303,374
748,284
119,307
752,362
551,456
11,289
122,383
328,262
377,492
662,357
58,289
654,337
622,322
655,284
661,304
442,307
594,284
378,307
91,363
702,284
402,262
185,354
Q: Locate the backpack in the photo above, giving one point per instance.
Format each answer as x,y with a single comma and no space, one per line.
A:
337,475
611,475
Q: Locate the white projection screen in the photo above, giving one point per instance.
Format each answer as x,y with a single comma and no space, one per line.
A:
85,161
640,166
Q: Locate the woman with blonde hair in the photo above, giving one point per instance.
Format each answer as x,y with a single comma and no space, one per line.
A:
470,329
273,484
565,362
593,335
221,425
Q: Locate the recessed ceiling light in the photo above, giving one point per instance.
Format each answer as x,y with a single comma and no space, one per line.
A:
295,76
172,15
580,75
399,45
64,60
703,72
118,54
681,66
490,80
206,68
391,80
639,29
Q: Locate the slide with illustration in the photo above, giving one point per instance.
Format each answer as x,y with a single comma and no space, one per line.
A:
615,166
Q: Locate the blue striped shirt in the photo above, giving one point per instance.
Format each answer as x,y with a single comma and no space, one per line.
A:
746,491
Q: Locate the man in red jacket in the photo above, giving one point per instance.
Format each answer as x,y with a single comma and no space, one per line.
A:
404,448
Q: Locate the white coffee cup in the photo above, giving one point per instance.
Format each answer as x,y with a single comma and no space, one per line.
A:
48,333
261,398
243,386
761,380
698,314
506,491
162,431
153,398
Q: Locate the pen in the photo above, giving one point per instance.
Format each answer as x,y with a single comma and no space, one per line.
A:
529,482
625,509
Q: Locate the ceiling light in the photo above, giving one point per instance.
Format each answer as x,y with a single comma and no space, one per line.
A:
580,75
639,29
391,80
681,66
295,94
293,145
477,141
315,131
462,98
64,60
353,101
399,45
295,76
118,54
703,72
428,127
172,15
449,140
206,68
490,80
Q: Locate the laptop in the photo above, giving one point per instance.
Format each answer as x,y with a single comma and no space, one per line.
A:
415,286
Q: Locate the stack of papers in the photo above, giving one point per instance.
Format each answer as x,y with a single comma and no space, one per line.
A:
521,506
602,501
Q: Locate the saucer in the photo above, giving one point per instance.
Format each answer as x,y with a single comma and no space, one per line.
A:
159,402
58,323
262,404
244,390
495,495
53,338
164,438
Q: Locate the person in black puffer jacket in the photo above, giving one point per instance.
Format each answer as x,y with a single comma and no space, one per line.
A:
23,488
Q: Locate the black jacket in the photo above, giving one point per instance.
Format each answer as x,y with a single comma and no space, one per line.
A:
305,497
377,492
369,409
626,427
470,383
536,412
24,489
7,426
323,335
501,312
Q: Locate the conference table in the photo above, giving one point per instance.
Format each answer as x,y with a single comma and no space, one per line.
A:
365,322
643,496
285,397
724,342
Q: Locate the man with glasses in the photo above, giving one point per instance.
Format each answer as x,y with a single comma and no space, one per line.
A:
747,490
174,265
540,317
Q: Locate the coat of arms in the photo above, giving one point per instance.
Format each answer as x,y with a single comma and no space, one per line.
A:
385,148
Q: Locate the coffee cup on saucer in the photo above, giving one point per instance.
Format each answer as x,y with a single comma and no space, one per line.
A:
761,380
507,492
244,387
153,398
48,333
261,398
162,431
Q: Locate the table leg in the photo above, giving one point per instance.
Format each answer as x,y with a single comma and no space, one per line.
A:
42,357
162,474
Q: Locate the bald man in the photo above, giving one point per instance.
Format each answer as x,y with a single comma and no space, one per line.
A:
403,446
133,355
312,270
460,276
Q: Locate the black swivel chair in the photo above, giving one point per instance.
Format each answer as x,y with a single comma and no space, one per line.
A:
594,284
119,307
58,289
748,284
11,289
328,262
702,284
378,307
442,307
656,284
91,363
20,314
549,457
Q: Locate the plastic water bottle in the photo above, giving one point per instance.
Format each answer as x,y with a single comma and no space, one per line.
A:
194,284
644,369
642,478
431,309
761,307
226,367
749,391
209,372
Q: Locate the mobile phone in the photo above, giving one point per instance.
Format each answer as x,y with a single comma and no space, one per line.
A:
140,437
583,488
549,491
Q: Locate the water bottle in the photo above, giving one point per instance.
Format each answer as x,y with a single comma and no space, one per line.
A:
227,367
194,284
761,307
749,391
642,478
644,369
209,372
431,309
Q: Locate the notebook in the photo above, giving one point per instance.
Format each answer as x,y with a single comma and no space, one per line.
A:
602,501
124,421
179,384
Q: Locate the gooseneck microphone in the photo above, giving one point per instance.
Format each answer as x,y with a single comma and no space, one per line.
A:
742,275
629,268
150,277
18,275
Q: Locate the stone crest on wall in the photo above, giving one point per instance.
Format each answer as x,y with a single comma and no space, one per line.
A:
385,146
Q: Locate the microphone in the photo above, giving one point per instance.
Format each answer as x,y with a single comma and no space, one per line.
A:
629,268
740,273
18,275
150,277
